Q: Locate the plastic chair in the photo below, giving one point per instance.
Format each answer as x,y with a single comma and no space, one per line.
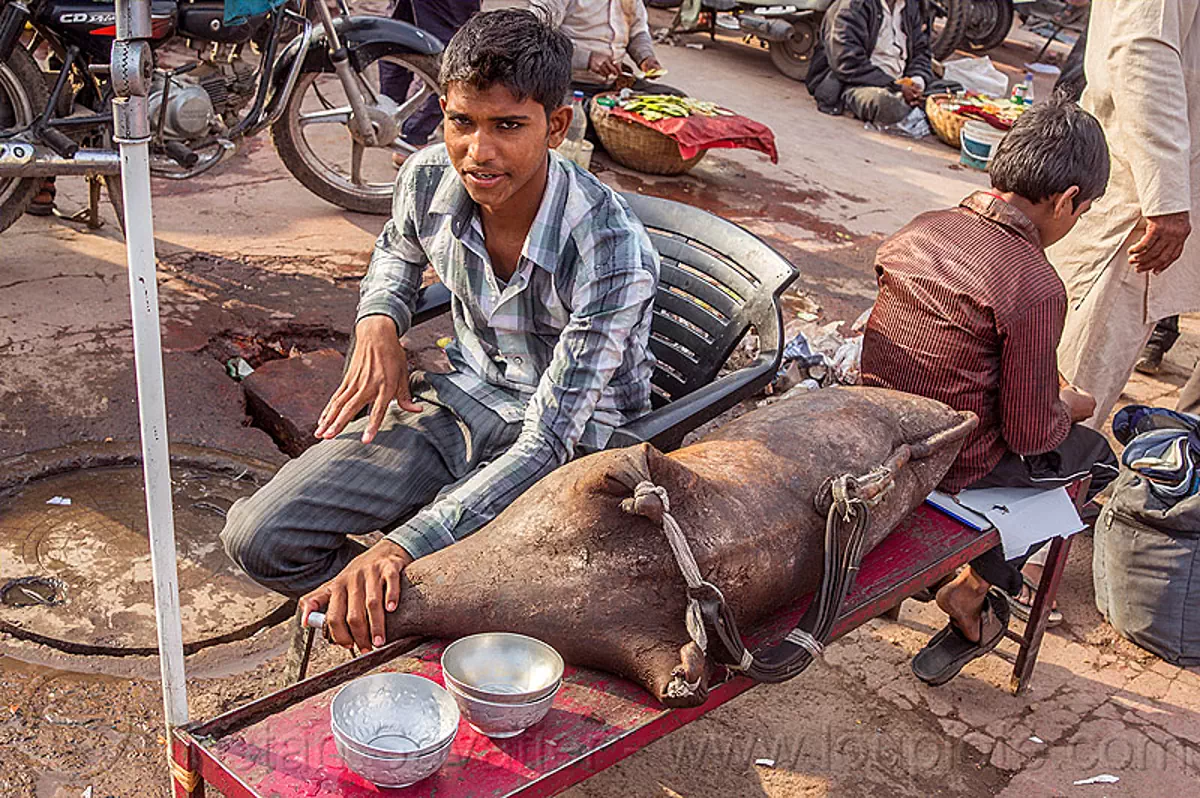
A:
716,282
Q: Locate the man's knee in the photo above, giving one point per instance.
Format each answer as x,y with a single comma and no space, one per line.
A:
877,105
249,531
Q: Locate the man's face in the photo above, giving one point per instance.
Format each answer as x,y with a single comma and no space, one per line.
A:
498,143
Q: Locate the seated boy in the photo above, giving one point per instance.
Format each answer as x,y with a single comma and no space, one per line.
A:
970,313
552,279
872,58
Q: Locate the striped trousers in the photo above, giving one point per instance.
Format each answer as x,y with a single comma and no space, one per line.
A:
291,535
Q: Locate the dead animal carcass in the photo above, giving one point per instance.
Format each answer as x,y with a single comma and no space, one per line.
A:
589,561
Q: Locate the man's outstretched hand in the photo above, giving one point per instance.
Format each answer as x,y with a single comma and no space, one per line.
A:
378,374
1163,242
355,601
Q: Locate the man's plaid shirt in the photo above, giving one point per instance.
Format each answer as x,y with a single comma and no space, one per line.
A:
563,347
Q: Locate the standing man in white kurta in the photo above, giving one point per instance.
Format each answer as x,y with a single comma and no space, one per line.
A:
1130,261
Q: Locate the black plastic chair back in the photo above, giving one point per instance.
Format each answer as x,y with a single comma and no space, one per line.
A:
716,281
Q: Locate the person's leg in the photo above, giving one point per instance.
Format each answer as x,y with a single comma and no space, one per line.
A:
290,536
876,105
1071,80
441,19
1104,334
977,619
1189,397
1165,334
395,80
1084,452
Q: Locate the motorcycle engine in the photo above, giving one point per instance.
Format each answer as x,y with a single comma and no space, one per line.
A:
189,113
209,96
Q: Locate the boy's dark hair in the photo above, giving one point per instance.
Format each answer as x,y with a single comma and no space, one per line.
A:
512,48
1053,146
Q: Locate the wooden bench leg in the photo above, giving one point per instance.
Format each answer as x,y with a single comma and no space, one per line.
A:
186,781
1031,643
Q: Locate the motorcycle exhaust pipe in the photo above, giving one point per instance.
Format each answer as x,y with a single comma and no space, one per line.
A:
12,23
773,30
21,159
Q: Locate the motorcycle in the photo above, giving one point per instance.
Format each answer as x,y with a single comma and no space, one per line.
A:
299,69
980,25
790,32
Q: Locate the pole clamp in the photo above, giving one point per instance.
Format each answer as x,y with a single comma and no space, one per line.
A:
132,68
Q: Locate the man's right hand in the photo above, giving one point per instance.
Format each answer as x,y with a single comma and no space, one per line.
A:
1163,242
378,373
912,95
1081,405
355,602
603,66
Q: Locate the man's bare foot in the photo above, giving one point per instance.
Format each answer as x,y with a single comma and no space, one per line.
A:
963,600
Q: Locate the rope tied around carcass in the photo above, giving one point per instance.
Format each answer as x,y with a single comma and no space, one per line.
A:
708,615
651,501
846,503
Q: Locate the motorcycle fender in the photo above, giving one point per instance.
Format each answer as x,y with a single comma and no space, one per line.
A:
365,37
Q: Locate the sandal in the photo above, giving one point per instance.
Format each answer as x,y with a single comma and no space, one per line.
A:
1022,609
949,650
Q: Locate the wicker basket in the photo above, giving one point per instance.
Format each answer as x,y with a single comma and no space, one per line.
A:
946,124
638,147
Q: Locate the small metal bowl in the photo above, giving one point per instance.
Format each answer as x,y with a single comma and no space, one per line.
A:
502,667
394,771
501,721
394,716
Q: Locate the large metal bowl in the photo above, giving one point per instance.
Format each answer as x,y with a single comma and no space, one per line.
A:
502,668
394,716
392,771
501,720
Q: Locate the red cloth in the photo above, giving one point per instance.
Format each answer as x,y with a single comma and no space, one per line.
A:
696,133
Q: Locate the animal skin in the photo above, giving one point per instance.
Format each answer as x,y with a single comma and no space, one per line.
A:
566,564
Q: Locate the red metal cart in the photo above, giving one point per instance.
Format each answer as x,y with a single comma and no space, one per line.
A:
281,746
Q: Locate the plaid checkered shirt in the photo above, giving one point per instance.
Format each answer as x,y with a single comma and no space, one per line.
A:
563,347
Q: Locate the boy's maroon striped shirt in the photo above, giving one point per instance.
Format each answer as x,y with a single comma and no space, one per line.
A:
970,313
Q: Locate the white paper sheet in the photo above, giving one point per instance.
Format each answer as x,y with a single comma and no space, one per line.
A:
1024,516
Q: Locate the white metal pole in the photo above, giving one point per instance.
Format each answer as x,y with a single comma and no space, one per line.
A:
132,68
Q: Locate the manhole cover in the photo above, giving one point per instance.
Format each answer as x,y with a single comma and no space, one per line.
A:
76,574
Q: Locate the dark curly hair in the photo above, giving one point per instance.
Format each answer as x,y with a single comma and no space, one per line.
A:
512,48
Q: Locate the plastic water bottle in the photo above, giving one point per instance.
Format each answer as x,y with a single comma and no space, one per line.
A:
575,133
1027,97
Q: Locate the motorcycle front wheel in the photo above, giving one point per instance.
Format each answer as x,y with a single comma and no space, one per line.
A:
316,142
793,55
946,24
23,95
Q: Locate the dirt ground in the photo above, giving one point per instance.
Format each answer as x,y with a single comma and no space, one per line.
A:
251,262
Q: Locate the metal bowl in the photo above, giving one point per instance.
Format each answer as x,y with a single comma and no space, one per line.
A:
394,716
502,667
394,771
501,720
